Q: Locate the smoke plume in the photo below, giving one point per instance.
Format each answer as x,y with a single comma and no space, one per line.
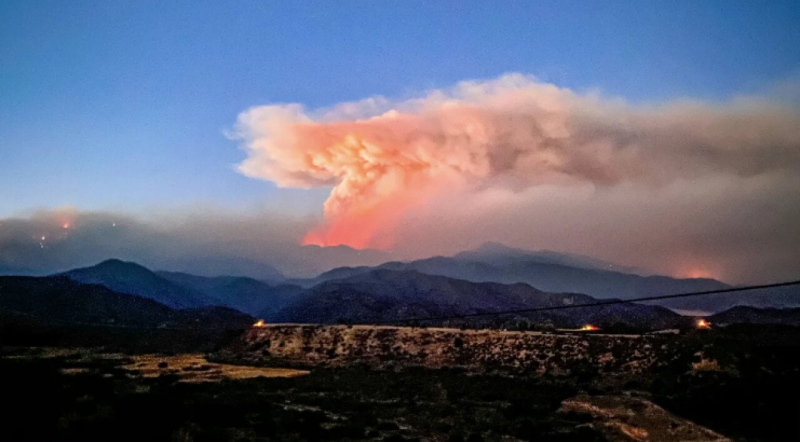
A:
386,159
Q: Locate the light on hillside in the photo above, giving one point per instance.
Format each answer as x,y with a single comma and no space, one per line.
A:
589,327
702,324
260,324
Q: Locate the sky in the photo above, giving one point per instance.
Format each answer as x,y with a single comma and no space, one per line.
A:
158,110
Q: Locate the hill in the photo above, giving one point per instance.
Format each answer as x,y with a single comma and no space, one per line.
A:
58,300
62,300
248,295
547,271
499,254
134,279
383,296
212,266
775,298
751,315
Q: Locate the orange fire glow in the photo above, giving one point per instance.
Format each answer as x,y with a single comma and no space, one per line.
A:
589,327
369,224
260,324
358,233
696,269
702,324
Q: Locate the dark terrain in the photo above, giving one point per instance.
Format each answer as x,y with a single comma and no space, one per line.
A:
748,393
128,294
740,379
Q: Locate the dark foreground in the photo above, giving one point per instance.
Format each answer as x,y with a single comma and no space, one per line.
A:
746,387
108,403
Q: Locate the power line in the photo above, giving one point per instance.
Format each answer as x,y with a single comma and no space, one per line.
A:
602,303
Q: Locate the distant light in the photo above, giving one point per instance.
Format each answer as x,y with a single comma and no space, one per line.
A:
44,238
702,324
113,224
589,327
66,225
260,324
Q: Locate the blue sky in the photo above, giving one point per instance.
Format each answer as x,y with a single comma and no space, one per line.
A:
122,105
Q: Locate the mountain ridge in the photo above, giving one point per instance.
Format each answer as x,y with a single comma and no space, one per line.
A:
135,279
248,295
543,273
62,300
386,296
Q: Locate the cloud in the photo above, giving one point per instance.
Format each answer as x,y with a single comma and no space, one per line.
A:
387,162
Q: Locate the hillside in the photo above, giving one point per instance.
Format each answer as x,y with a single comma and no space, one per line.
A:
775,298
244,294
134,279
62,301
545,270
501,254
400,291
751,315
383,296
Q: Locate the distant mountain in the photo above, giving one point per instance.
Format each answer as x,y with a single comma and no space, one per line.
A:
547,271
383,296
212,266
333,274
438,286
353,295
780,298
63,300
751,315
133,279
500,254
58,300
248,295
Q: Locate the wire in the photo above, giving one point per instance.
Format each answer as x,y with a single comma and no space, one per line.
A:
602,303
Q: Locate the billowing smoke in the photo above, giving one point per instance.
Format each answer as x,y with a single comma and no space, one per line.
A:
385,159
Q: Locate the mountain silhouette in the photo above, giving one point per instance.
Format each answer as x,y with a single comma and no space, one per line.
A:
385,296
134,279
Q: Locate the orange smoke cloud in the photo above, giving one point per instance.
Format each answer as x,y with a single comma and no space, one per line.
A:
383,159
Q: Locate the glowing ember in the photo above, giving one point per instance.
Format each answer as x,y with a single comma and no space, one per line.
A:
702,324
589,327
260,324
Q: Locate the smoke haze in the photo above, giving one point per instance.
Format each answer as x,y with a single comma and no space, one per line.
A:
687,187
205,242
